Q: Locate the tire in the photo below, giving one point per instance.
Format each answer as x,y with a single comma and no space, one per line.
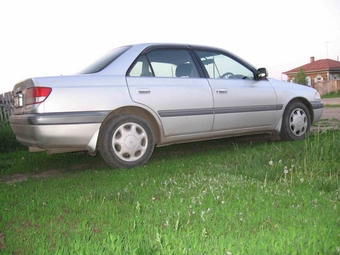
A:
126,141
296,122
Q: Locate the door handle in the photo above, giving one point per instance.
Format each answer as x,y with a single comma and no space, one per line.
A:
221,91
143,91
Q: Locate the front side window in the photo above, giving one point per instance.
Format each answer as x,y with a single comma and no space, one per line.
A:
165,63
220,66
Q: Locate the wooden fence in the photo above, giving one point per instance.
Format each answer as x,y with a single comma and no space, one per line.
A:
6,107
325,87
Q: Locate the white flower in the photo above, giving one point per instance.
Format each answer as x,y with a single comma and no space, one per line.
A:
285,170
271,163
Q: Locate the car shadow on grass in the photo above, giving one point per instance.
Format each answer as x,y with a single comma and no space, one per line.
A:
57,165
42,165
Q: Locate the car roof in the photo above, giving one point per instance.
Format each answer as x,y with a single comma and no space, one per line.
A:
149,46
120,66
176,45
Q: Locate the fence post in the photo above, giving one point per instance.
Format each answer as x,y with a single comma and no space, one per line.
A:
1,111
6,107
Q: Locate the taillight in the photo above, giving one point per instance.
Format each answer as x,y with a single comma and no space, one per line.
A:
36,95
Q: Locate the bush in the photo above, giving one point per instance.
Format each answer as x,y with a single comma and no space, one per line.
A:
8,142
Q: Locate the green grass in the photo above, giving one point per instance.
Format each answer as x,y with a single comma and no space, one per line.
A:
332,106
230,196
8,143
331,95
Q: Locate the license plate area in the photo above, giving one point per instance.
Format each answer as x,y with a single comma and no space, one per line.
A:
17,101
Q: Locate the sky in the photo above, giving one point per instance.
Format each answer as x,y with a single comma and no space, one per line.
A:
54,37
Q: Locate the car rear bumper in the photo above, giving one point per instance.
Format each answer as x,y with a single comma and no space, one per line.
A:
57,130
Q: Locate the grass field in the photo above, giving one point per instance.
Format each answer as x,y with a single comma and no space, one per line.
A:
229,196
332,95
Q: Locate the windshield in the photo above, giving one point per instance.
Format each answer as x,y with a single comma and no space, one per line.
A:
105,60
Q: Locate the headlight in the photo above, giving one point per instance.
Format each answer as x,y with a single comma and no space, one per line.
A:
317,96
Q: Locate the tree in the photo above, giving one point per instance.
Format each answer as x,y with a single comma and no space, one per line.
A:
300,77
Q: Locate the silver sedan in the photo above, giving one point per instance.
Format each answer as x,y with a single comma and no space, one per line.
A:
140,96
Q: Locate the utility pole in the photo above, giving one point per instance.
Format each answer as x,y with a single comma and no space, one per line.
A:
327,48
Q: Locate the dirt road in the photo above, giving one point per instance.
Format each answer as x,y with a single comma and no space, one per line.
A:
331,113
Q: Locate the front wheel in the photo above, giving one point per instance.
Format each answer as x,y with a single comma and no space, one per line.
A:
126,141
296,122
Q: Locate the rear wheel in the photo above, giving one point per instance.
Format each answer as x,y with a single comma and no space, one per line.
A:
126,141
295,122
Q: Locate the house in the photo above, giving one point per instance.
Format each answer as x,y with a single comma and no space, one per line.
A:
317,71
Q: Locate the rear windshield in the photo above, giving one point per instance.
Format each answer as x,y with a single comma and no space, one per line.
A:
105,60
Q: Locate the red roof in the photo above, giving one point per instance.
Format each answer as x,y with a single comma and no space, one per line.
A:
318,65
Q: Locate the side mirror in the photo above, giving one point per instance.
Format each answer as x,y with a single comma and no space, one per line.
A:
261,73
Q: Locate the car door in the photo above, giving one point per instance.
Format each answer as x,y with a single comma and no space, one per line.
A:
240,101
167,81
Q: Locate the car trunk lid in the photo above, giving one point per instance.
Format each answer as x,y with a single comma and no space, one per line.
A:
27,96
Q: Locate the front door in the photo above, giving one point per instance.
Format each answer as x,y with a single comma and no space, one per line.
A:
240,101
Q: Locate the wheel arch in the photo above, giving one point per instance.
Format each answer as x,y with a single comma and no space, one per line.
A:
143,113
306,103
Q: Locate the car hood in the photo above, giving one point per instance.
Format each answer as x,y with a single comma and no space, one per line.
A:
288,90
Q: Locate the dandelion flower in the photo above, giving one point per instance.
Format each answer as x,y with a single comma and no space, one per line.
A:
285,170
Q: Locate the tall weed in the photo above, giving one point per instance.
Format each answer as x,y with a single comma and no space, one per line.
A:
8,142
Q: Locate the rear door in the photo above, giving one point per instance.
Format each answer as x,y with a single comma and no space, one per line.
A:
168,82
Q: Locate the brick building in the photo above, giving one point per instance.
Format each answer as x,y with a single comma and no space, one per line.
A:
317,71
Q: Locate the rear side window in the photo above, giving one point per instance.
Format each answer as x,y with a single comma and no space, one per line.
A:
105,60
165,63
